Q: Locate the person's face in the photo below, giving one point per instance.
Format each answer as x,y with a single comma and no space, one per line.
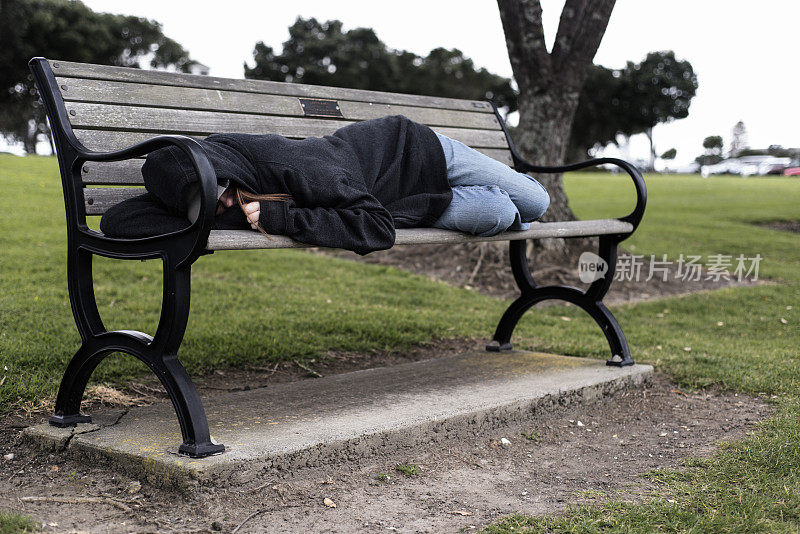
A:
225,201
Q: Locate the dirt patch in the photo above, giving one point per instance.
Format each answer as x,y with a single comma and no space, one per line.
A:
484,267
783,226
576,455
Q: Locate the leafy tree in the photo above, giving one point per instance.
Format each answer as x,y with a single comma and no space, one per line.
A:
713,150
70,31
738,139
631,100
669,154
773,150
661,89
321,53
598,119
781,152
713,144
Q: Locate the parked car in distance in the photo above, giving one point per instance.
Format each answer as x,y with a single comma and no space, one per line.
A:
748,166
792,171
728,166
774,166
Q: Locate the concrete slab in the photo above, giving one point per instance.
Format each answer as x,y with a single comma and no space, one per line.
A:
343,417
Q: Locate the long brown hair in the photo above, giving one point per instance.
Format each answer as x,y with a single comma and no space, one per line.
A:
243,197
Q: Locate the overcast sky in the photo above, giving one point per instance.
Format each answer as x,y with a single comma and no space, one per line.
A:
745,53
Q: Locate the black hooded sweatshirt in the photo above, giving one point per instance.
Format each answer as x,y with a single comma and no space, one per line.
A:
349,190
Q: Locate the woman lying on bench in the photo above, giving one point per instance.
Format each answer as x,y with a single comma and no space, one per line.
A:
348,190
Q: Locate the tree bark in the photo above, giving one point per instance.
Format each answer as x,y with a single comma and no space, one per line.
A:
29,143
651,166
550,83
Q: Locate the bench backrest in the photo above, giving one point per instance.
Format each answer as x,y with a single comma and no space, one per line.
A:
110,108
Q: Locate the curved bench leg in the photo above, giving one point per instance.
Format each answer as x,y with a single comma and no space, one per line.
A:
159,353
80,282
188,407
589,300
73,384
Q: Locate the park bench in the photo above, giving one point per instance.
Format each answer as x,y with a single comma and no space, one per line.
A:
104,120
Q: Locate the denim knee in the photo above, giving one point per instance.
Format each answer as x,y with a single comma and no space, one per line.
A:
531,199
468,167
479,210
496,216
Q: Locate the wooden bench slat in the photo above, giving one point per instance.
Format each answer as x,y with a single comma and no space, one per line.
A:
130,118
108,140
104,72
250,239
129,172
90,91
97,200
102,198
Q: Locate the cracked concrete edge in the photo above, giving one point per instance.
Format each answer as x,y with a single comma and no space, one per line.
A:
57,439
468,426
475,425
60,440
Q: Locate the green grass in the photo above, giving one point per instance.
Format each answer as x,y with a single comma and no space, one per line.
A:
13,523
409,470
531,436
752,485
690,215
257,307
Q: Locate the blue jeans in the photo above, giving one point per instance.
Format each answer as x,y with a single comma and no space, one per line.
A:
489,197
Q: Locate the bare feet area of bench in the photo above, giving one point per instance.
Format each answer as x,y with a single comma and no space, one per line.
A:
580,454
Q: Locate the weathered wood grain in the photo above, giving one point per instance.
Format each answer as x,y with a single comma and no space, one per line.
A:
104,72
190,122
147,95
129,172
250,239
97,200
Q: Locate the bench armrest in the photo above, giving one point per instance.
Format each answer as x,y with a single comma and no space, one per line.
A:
188,244
635,216
520,165
206,175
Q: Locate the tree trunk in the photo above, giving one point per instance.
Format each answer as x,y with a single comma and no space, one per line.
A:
549,85
652,164
543,135
29,143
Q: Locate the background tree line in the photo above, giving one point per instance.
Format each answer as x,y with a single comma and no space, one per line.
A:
714,149
613,102
69,31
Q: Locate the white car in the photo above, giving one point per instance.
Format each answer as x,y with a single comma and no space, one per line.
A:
747,166
728,166
774,166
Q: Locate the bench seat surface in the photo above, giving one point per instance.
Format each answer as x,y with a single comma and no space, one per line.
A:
248,239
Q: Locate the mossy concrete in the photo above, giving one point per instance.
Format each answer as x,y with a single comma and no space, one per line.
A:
343,417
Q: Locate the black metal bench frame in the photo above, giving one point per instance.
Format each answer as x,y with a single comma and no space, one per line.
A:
179,250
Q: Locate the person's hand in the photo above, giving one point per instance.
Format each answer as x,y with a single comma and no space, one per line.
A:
251,211
225,201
